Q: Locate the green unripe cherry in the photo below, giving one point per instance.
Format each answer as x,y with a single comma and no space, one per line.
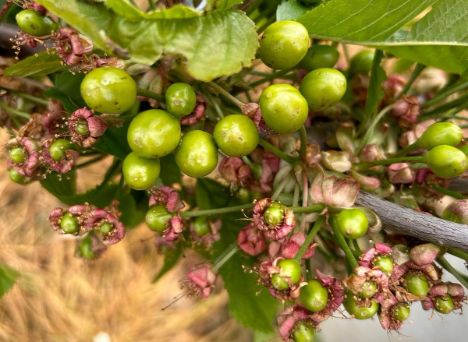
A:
369,289
447,161
236,135
401,312
69,224
157,218
274,214
352,223
17,154
16,177
201,225
289,268
441,133
81,127
314,296
197,155
154,133
359,312
31,22
464,149
361,63
283,108
320,56
180,99
58,147
106,228
417,284
140,173
86,248
384,263
283,44
109,90
303,333
444,304
323,88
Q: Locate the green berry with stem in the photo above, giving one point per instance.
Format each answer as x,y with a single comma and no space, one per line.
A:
180,99
303,333
444,304
106,228
17,154
283,108
323,88
361,63
201,226
290,270
369,289
157,218
440,133
320,56
447,161
35,24
58,147
81,128
154,133
417,284
314,296
69,224
283,44
352,223
140,173
360,309
197,154
384,263
17,177
236,135
274,214
401,312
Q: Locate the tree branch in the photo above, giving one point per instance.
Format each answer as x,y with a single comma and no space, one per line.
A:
401,220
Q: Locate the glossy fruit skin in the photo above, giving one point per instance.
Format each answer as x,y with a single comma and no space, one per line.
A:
447,161
464,149
180,99
289,268
274,214
352,223
303,333
86,248
401,312
444,304
417,284
157,218
323,88
320,56
106,228
140,173
109,90
197,155
314,296
236,135
16,177
361,63
440,133
350,304
154,133
369,289
283,44
385,264
283,108
17,154
58,147
69,224
31,22
201,227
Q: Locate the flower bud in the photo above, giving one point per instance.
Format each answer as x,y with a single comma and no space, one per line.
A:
457,211
251,240
199,281
400,173
406,110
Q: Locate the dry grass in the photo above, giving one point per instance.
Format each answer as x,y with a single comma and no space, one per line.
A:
60,298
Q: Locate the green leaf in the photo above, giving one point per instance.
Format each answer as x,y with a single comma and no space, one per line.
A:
61,186
221,5
114,141
211,194
101,196
170,172
8,14
41,65
127,10
132,213
438,39
290,10
375,92
8,278
231,34
67,90
170,260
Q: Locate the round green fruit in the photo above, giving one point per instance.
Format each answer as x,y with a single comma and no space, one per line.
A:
283,108
303,333
352,223
369,289
106,228
314,296
291,269
444,304
154,133
16,177
180,99
447,161
201,226
236,135
401,312
17,154
157,218
417,284
323,88
109,90
384,263
34,24
274,214
197,155
441,133
140,173
361,63
58,147
351,305
283,44
69,224
320,56
86,248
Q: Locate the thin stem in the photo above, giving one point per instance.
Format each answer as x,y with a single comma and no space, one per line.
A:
310,237
221,260
14,111
445,107
407,149
151,4
367,165
277,152
443,94
458,254
218,211
447,192
313,208
272,76
221,90
370,129
356,246
151,95
215,104
344,246
281,186
416,72
303,137
445,264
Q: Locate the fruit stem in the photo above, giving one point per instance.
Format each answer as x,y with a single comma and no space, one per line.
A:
370,130
356,247
219,211
444,93
272,76
151,95
281,186
416,72
448,192
152,6
446,265
214,104
225,256
310,237
14,111
461,101
367,165
221,90
344,246
407,149
457,253
277,152
303,137
313,208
